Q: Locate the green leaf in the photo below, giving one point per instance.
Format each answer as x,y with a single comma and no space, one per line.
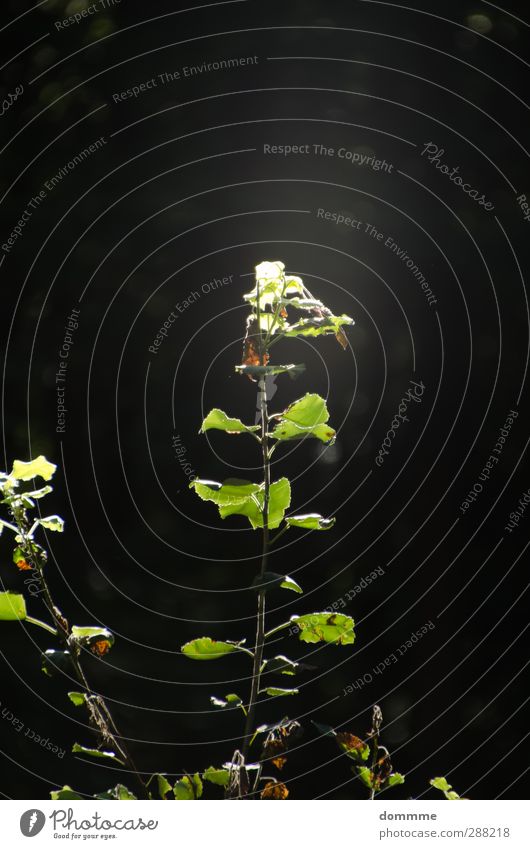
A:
12,607
204,648
189,787
318,326
279,691
163,785
40,493
221,777
52,523
311,521
40,467
265,371
442,784
77,698
303,303
365,774
218,420
325,628
246,499
231,700
92,635
119,793
302,418
95,753
393,780
290,584
281,664
65,794
271,580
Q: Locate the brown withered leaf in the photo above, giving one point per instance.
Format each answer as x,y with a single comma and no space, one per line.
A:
349,741
273,790
23,565
340,336
100,648
275,750
251,355
342,339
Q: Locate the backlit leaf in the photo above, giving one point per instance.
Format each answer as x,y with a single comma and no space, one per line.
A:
218,420
246,499
189,787
65,794
306,417
325,628
221,777
311,521
204,648
52,523
393,780
282,665
279,691
40,467
12,607
95,753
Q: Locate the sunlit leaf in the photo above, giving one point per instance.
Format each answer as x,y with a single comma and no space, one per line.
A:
302,418
442,784
282,665
77,698
265,371
40,493
65,794
325,628
119,793
311,521
189,787
98,640
279,691
218,420
52,523
221,777
271,580
366,776
318,325
289,583
231,700
95,753
246,499
40,467
12,607
393,780
204,648
163,785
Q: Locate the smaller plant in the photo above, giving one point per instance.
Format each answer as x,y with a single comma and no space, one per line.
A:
72,641
443,785
372,763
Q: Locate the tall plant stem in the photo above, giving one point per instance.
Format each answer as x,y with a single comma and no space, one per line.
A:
260,616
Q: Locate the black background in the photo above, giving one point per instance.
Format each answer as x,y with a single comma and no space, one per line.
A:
183,194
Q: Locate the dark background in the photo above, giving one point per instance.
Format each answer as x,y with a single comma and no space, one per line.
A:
179,197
